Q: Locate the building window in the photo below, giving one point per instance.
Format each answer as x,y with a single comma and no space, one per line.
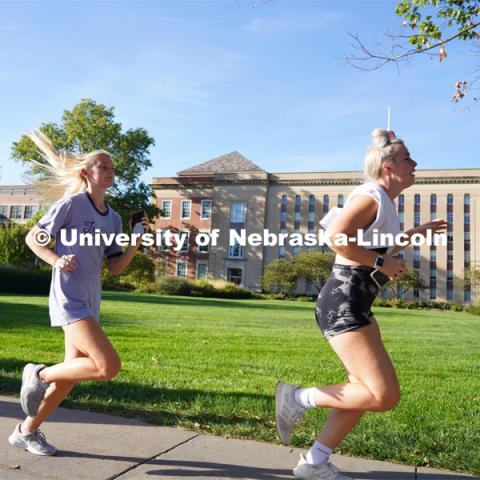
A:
283,217
4,210
433,255
416,293
401,254
433,274
16,211
296,250
326,202
30,211
298,217
449,275
417,199
166,209
416,255
416,218
311,202
282,251
237,212
433,216
235,251
234,275
433,294
401,199
466,199
162,246
449,236
186,209
181,269
204,248
466,237
449,199
466,257
308,287
340,201
467,296
311,217
205,209
284,200
185,237
202,268
450,217
298,202
449,293
401,217
466,218
433,199
450,256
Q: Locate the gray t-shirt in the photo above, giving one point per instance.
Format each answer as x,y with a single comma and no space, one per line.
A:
76,295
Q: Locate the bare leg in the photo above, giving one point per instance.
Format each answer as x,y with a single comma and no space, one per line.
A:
100,361
372,377
56,393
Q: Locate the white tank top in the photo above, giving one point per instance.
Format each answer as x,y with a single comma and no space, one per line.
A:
386,221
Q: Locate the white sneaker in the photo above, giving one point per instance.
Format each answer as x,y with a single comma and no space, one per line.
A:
326,471
35,442
287,410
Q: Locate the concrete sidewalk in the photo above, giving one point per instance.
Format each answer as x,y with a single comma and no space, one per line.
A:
96,446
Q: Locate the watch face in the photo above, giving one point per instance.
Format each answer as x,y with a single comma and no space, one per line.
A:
379,261
379,278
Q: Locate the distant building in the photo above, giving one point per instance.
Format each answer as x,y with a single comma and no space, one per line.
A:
18,204
231,192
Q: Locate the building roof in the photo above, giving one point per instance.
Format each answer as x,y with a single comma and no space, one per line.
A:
232,162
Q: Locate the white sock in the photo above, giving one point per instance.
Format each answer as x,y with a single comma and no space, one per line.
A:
318,454
305,397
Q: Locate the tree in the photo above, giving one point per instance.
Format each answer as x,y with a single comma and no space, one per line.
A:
472,279
13,249
91,126
314,266
140,270
427,27
410,279
280,275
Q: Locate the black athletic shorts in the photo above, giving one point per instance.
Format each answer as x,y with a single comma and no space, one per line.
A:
344,302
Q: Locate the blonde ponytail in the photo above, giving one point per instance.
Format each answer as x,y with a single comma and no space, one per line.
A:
62,169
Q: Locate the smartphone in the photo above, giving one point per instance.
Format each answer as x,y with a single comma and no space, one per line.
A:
137,220
379,278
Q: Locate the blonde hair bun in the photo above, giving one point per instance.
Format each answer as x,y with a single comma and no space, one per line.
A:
380,137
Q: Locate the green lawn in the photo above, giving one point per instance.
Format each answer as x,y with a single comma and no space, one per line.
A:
212,365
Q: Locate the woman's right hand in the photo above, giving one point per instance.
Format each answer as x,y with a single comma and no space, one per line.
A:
66,263
393,267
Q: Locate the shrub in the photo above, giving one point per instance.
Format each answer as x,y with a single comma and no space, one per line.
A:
21,280
456,307
169,285
474,309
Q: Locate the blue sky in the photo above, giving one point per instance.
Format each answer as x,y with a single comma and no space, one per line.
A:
209,77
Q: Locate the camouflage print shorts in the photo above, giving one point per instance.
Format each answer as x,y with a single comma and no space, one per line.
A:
345,300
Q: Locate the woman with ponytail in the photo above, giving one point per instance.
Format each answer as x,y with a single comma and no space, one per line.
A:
343,309
78,183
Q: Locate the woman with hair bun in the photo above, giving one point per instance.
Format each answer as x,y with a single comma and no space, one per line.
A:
78,183
343,309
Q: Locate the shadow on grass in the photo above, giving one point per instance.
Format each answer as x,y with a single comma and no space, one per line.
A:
23,315
138,401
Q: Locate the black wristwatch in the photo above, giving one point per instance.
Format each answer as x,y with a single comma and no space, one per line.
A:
379,262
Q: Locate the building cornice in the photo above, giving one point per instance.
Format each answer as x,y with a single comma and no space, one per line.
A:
308,182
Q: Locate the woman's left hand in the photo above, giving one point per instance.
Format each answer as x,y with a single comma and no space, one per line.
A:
436,226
